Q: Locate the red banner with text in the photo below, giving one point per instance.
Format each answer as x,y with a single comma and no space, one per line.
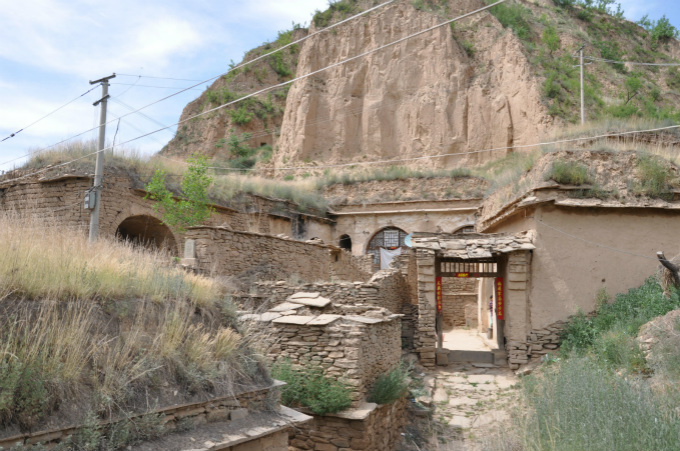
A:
500,302
438,293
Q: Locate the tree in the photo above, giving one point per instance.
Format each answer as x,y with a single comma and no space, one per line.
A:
633,85
551,39
192,207
663,30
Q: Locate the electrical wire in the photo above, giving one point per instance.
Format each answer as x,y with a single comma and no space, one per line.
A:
46,116
158,78
310,74
304,38
633,63
426,157
149,86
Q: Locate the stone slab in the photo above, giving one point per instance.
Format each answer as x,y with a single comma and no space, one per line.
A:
318,302
364,319
293,319
360,413
285,307
269,316
322,320
304,295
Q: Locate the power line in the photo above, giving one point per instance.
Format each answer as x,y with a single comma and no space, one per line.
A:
46,116
150,86
158,78
426,157
304,38
339,63
633,63
360,163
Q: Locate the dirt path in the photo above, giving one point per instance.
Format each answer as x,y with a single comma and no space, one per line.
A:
468,400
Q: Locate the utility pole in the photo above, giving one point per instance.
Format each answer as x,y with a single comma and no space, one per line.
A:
583,105
99,165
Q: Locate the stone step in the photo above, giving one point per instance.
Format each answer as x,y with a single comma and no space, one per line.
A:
471,356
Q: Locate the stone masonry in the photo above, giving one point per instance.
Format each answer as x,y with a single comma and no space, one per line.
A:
226,252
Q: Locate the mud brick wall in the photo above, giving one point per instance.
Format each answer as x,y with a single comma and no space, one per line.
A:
380,431
225,252
352,351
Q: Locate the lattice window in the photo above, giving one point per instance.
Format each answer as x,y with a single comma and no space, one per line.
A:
389,238
466,229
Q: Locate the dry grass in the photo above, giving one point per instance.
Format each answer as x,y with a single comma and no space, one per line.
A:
89,327
50,262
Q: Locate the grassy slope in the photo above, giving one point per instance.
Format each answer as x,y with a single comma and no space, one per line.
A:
600,392
105,329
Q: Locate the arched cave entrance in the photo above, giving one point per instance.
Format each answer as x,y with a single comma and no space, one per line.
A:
147,231
345,242
390,240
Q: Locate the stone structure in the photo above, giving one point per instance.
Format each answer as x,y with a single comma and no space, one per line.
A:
346,329
460,302
509,254
249,420
371,427
221,251
58,198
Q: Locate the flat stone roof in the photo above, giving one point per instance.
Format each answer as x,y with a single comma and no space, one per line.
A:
468,246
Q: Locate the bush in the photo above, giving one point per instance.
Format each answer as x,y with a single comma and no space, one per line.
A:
654,177
630,311
514,16
309,387
390,386
568,173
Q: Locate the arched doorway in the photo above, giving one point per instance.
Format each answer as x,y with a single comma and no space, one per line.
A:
147,231
391,241
464,229
345,242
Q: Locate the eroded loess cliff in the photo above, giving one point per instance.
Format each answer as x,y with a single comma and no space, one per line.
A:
428,95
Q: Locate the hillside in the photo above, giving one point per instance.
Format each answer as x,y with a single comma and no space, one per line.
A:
497,79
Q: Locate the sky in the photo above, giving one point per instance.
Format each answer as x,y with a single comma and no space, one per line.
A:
51,49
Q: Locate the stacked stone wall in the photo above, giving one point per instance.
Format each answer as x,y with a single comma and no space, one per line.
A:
349,350
426,338
538,343
379,431
220,251
458,295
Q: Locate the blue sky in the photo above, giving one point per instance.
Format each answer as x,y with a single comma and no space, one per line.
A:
50,49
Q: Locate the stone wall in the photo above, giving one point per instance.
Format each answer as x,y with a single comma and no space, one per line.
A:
377,428
516,320
387,289
538,343
277,441
458,295
223,409
426,336
225,252
354,349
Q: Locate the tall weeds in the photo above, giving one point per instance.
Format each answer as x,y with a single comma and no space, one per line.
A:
40,260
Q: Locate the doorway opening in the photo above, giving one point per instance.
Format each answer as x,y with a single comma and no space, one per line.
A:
470,309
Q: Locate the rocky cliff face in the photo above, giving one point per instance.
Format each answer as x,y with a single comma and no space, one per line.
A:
426,96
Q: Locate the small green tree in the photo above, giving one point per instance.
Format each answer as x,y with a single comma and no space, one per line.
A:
633,85
551,39
193,207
